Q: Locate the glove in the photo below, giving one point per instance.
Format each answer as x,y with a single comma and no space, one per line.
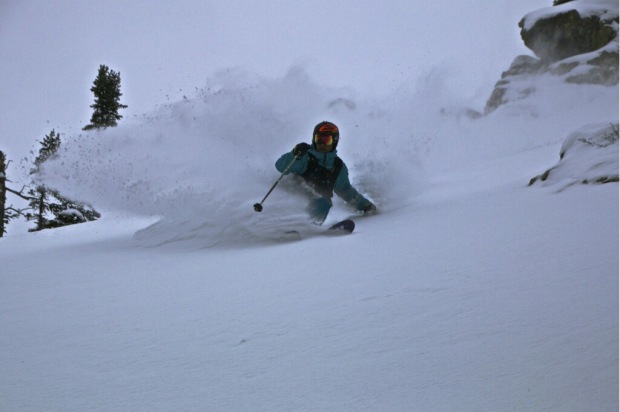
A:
301,149
370,209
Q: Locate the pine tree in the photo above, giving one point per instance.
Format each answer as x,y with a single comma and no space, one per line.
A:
43,200
107,91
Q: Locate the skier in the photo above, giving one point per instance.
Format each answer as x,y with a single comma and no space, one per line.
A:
322,169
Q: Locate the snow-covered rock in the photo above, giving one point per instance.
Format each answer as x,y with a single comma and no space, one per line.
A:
575,40
578,27
588,155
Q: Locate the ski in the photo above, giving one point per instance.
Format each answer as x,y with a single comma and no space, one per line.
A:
344,226
341,228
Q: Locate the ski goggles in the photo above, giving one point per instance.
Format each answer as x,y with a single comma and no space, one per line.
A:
324,138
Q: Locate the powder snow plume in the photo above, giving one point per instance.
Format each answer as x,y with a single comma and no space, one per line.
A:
201,163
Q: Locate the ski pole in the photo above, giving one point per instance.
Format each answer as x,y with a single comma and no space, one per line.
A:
258,207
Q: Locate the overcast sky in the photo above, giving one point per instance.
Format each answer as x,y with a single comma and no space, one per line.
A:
50,51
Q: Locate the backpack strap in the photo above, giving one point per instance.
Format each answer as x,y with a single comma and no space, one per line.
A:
320,178
337,168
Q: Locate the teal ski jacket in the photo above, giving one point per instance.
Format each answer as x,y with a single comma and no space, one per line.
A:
325,163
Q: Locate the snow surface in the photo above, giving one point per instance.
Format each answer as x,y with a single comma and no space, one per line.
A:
469,291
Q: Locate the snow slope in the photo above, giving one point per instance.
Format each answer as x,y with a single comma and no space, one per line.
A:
469,291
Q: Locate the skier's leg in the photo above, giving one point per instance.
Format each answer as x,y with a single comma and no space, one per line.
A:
318,209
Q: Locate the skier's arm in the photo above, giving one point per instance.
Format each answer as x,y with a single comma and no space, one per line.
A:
347,192
298,167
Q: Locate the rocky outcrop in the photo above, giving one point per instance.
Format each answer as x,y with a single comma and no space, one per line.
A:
567,34
504,91
576,40
588,156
